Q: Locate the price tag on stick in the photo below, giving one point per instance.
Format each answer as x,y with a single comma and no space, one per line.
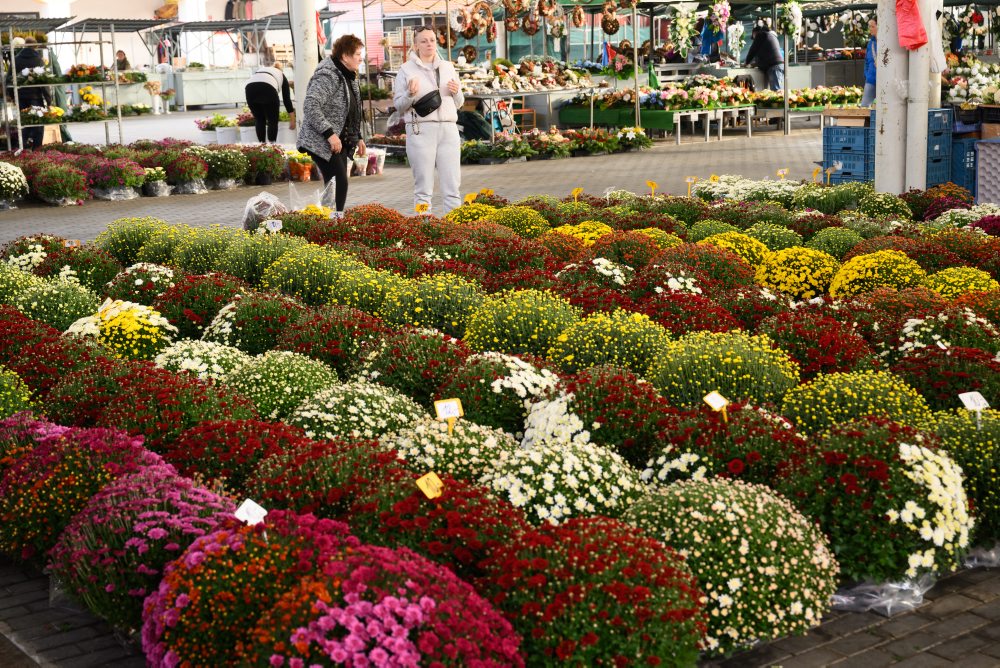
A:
717,403
974,401
449,410
430,485
816,174
71,243
652,188
782,173
690,181
576,194
250,512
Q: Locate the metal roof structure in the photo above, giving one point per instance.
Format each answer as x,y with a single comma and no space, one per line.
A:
213,26
114,25
32,23
281,21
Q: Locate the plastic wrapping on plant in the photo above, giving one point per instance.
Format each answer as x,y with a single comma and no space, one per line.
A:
115,194
260,208
156,189
194,187
983,557
222,184
887,598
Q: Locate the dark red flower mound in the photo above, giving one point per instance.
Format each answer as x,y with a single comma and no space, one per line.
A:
988,224
718,264
18,331
43,364
941,375
654,278
563,247
750,305
403,261
593,298
683,312
93,267
80,397
458,529
194,300
595,591
332,334
231,449
510,253
631,248
520,279
819,343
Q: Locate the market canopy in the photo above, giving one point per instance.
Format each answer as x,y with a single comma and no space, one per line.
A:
213,26
281,21
33,23
113,25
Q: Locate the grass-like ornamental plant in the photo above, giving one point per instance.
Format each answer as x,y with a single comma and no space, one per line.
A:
253,322
803,273
308,272
593,590
740,366
15,396
203,359
621,338
954,282
468,452
278,381
745,247
891,502
358,409
882,269
441,301
141,283
48,485
519,321
413,361
58,302
524,220
127,330
553,481
836,241
113,552
497,390
211,596
766,570
836,398
377,606
973,441
159,246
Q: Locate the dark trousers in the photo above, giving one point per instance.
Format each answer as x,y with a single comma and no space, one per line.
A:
264,105
335,168
31,138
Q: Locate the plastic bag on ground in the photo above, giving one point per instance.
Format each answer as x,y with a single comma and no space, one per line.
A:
983,557
299,198
886,598
222,184
193,187
259,208
115,194
156,189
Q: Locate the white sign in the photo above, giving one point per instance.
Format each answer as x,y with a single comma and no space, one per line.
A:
974,401
250,512
449,409
691,179
272,225
716,401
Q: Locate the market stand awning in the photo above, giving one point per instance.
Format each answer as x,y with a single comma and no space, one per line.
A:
213,26
32,23
281,22
113,25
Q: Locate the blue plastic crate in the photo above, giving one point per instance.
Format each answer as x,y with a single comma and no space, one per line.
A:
850,163
938,119
939,144
938,171
963,163
847,178
845,139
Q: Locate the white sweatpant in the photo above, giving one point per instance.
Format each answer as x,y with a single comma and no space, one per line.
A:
437,145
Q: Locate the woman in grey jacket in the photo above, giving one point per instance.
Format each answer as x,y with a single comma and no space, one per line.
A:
432,141
331,128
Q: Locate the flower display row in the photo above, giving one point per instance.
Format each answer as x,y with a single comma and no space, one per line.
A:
971,82
540,145
531,74
30,76
807,98
591,507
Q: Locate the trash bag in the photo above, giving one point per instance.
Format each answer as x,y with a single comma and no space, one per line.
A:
115,194
156,189
300,199
396,125
259,208
887,598
983,557
221,184
912,35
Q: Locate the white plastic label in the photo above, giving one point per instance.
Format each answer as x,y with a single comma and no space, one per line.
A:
974,401
691,179
250,512
448,409
716,401
272,225
71,243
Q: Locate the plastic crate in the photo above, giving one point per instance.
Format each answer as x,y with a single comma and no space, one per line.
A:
938,170
850,163
967,116
989,113
988,171
845,139
938,119
847,178
939,144
963,164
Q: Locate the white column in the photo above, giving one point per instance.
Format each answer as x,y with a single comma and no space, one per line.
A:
934,95
916,109
59,9
890,104
194,46
302,17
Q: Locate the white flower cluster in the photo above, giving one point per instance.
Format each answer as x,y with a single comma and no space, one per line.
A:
667,468
552,421
28,71
355,410
678,283
436,255
221,328
13,183
469,452
976,83
628,133
30,259
204,359
146,272
945,524
731,187
918,333
556,481
619,274
278,381
522,378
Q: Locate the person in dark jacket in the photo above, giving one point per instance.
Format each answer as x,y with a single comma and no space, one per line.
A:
766,53
37,96
262,91
331,123
871,53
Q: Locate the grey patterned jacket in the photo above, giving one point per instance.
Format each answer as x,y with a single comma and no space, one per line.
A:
325,109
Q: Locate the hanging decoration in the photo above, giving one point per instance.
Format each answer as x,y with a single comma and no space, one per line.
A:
972,23
491,32
511,23
470,52
735,40
546,8
447,38
682,31
609,19
577,16
790,20
556,25
718,15
855,29
531,23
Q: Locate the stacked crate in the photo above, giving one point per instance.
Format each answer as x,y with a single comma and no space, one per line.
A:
853,150
963,163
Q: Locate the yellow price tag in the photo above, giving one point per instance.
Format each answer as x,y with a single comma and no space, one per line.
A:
717,403
782,173
652,188
470,198
576,194
422,207
71,243
690,181
430,485
816,173
449,410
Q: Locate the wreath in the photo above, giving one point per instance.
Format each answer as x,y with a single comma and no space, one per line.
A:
446,35
628,4
470,52
546,8
491,32
610,24
530,25
511,23
625,46
577,16
514,6
482,14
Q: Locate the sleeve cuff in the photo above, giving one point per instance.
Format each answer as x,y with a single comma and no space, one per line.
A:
327,133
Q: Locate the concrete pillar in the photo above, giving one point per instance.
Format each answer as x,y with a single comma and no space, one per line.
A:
916,109
891,91
302,17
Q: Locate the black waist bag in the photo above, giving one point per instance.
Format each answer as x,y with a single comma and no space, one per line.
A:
429,103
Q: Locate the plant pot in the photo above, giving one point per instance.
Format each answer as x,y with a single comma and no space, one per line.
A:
208,137
263,179
579,152
248,135
221,184
518,158
115,194
156,189
6,205
227,135
195,187
61,201
492,161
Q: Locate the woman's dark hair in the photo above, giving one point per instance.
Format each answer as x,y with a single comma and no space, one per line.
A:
346,45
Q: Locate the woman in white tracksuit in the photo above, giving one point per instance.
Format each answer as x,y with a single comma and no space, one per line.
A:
432,141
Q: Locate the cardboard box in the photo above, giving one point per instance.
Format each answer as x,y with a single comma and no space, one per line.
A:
990,130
